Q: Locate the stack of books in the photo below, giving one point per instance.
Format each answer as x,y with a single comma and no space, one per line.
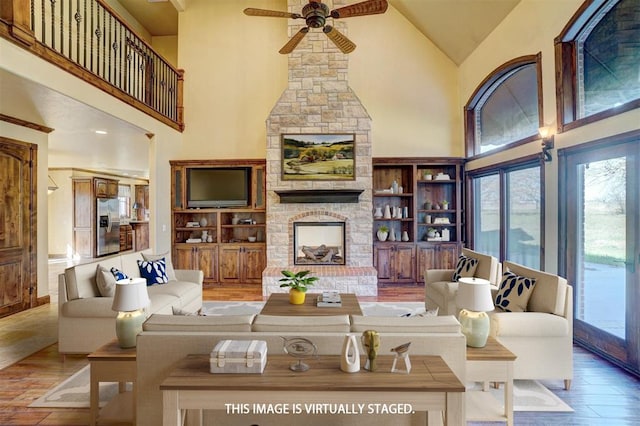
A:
329,299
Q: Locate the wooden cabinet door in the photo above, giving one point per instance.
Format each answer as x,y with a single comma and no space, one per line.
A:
448,255
184,257
254,260
207,262
101,188
382,261
112,188
404,263
229,266
426,260
84,218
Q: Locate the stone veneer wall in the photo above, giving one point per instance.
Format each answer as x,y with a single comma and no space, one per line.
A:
319,100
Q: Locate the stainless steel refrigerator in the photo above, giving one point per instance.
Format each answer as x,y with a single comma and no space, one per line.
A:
108,229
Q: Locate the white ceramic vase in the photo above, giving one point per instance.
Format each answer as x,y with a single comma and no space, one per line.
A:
378,213
382,236
350,359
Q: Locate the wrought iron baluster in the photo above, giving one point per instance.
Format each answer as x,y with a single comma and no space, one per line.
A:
53,26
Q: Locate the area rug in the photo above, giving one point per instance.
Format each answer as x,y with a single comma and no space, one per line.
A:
74,392
388,309
528,395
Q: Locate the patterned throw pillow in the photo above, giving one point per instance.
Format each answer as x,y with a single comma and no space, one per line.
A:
514,292
118,274
154,271
465,267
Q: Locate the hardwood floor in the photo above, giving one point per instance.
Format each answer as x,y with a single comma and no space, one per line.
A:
601,393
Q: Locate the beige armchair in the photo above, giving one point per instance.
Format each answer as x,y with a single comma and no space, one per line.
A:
440,291
541,337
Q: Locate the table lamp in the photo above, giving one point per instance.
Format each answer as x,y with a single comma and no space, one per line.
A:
474,298
130,299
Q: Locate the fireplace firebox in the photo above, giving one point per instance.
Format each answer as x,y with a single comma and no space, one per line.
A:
319,243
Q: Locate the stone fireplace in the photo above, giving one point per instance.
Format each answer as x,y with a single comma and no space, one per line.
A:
318,100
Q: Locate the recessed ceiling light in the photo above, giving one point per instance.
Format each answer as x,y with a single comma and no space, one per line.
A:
101,132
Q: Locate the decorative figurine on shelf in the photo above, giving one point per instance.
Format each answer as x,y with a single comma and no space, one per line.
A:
402,354
371,344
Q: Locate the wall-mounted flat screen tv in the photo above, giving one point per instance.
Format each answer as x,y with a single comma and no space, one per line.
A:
218,187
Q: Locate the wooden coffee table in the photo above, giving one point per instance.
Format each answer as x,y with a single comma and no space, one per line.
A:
431,387
278,304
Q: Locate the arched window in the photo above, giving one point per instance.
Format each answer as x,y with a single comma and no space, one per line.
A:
506,108
598,66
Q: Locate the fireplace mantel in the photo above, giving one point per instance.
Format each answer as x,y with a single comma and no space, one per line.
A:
319,196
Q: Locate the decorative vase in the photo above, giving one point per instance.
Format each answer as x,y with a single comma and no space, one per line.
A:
394,187
387,212
431,233
203,221
350,360
392,235
378,213
235,219
382,236
296,297
427,205
405,236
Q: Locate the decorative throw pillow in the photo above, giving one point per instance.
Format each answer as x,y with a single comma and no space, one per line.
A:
514,292
171,273
465,267
118,274
106,282
178,311
154,271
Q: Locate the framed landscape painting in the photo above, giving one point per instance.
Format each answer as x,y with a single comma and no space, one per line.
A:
318,156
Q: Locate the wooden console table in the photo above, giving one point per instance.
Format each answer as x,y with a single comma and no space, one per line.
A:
492,363
278,304
431,386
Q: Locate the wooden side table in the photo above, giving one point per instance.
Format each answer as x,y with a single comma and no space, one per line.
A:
111,363
492,363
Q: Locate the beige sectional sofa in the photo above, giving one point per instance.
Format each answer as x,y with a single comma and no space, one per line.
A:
167,339
85,319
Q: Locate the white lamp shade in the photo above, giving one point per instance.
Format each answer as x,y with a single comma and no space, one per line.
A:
474,294
131,295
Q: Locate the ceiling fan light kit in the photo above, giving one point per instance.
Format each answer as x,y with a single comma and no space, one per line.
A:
315,15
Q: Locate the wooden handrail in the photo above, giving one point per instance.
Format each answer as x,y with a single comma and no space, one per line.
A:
95,44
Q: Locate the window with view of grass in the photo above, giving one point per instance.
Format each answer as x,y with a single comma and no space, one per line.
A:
507,212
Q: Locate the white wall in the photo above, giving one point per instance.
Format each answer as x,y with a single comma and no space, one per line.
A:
531,28
235,75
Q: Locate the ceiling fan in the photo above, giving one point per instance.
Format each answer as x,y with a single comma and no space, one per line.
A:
315,15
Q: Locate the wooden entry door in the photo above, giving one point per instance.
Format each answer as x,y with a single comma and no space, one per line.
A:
18,278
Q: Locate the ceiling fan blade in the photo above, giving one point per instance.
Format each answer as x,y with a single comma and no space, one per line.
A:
339,39
270,13
369,7
293,41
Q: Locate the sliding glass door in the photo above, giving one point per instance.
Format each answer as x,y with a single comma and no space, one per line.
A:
602,246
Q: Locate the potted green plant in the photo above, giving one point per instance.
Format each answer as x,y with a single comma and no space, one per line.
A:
383,233
298,284
445,204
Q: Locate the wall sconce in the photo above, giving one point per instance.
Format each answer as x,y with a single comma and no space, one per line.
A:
547,142
52,185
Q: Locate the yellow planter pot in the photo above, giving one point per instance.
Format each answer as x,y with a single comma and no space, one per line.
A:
296,297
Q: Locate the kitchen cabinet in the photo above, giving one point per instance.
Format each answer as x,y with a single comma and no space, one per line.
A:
141,232
395,262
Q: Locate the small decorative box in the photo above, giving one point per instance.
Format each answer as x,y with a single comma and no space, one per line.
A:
239,356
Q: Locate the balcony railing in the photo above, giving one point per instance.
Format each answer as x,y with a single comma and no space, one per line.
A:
90,40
